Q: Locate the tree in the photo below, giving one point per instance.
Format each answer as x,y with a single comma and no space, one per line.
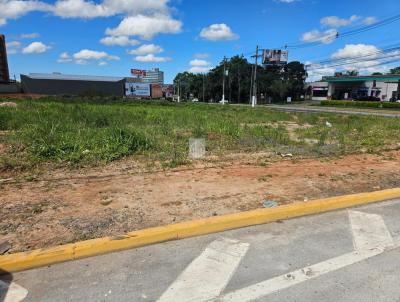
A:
377,74
395,70
352,73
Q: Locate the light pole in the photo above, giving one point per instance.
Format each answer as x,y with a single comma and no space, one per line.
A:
223,83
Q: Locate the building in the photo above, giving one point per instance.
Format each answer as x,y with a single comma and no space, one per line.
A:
379,88
154,76
4,73
318,91
63,84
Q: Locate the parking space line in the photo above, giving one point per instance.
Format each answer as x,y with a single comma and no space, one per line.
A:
12,292
207,276
370,236
369,231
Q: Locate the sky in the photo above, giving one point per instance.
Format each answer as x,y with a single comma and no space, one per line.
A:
110,37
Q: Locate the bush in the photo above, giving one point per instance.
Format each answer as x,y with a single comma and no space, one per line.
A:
361,104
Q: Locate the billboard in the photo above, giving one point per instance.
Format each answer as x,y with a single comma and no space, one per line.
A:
4,74
137,90
168,91
275,57
138,72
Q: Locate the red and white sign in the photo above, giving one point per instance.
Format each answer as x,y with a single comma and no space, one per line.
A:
138,72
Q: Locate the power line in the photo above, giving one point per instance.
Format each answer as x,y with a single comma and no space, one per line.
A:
338,35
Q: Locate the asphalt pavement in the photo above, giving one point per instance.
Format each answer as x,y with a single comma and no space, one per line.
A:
347,255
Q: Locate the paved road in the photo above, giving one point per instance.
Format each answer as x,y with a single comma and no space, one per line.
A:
367,112
349,255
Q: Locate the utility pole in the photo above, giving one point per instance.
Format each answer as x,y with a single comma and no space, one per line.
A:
254,97
223,83
203,85
179,91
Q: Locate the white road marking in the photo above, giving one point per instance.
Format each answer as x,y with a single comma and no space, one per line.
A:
207,276
12,292
369,231
370,237
270,286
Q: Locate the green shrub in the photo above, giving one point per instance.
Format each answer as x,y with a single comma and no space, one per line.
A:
361,104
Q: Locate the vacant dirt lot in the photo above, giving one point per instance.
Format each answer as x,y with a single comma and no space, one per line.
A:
66,206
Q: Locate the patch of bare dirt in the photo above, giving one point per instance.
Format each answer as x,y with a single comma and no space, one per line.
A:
66,206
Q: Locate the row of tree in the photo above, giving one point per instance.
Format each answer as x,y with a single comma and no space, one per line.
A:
274,83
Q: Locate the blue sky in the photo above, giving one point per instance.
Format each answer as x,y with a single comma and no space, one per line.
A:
109,37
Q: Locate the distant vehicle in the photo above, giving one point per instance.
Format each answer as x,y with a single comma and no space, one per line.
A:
195,100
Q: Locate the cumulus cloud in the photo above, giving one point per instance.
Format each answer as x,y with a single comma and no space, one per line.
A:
14,9
143,18
64,58
146,26
218,32
197,62
334,21
35,48
87,54
119,41
13,47
325,37
364,58
151,58
103,63
199,66
146,49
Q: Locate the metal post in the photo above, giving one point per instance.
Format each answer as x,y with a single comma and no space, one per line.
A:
223,83
254,98
203,86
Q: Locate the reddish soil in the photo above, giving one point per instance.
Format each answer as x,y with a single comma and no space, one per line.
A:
67,206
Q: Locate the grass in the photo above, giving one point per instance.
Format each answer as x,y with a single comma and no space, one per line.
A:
77,132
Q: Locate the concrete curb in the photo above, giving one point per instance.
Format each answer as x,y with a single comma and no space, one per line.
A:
42,257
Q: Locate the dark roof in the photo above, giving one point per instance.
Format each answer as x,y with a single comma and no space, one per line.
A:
70,77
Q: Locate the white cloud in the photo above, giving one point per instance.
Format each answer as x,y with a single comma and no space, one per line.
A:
218,32
81,62
197,62
13,47
199,66
143,18
87,54
119,40
325,37
370,20
355,51
64,58
201,55
146,26
334,21
152,58
103,63
14,9
146,49
364,58
35,47
199,69
29,36
286,1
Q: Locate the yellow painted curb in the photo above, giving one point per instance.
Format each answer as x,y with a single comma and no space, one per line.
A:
27,260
